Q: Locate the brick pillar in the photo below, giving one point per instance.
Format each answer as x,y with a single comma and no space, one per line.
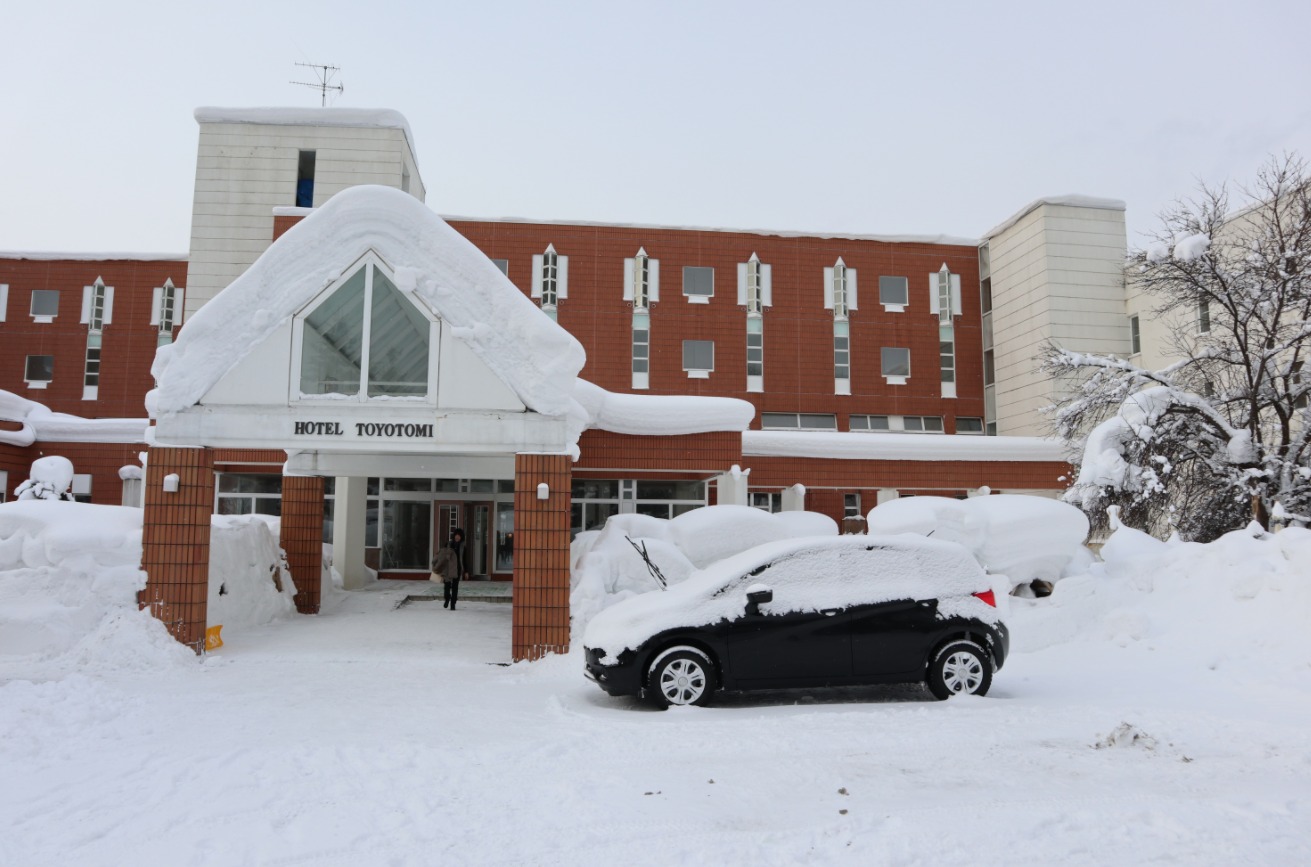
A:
541,556
175,541
302,537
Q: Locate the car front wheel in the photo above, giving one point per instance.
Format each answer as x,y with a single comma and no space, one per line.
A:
960,668
681,676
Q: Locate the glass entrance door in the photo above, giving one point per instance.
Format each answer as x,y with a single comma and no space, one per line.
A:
475,518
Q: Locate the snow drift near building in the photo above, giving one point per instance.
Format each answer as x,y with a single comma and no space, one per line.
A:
1022,537
69,577
606,569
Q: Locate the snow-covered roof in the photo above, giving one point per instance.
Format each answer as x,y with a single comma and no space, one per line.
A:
949,240
39,424
55,256
1071,200
536,358
660,415
901,447
375,118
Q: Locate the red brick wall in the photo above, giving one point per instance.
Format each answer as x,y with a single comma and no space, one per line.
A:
541,556
128,342
101,460
798,329
707,452
175,542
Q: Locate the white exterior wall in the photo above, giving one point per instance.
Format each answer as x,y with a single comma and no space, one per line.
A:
1057,275
245,170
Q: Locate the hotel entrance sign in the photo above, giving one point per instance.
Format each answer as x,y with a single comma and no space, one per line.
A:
362,429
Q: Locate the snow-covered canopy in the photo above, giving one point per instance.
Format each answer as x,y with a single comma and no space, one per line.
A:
533,356
38,423
900,447
657,415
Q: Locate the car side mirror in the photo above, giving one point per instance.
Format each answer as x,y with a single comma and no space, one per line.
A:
757,595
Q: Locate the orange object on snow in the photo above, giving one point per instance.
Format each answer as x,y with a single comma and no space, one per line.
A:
213,641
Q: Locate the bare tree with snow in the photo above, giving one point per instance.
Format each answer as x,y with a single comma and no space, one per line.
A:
1220,435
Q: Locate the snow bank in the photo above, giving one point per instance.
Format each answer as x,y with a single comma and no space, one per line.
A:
1236,606
817,573
533,355
607,570
249,580
70,573
1019,536
865,446
69,576
660,415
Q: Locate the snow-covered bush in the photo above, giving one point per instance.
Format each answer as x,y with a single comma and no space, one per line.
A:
49,479
606,569
1024,538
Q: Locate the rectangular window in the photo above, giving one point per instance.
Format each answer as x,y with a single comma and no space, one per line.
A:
841,357
95,306
922,423
165,311
1135,337
91,376
247,494
798,421
947,352
989,370
985,293
969,425
869,422
1295,384
305,179
753,285
4,307
851,506
39,370
641,350
755,354
503,265
1203,316
765,501
45,304
698,357
893,291
698,283
641,280
550,275
896,362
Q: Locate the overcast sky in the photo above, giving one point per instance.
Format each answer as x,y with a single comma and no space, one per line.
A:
853,117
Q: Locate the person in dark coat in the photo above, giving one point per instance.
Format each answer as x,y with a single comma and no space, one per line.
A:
451,563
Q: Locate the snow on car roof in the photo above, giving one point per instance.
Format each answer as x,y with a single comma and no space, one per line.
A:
825,575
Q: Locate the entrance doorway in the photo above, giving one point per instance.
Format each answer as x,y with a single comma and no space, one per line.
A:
475,518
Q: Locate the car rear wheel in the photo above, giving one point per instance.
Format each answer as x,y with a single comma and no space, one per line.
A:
681,676
960,668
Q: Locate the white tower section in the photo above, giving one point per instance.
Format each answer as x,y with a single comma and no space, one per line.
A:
253,160
1057,274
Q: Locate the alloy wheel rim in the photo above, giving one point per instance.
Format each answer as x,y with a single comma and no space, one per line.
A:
963,672
682,681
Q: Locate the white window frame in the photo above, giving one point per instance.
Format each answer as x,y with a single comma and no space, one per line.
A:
4,486
81,487
755,352
696,297
97,305
851,505
502,265
765,501
973,433
894,379
642,280
166,309
772,421
298,336
38,383
840,293
641,323
1135,335
550,278
699,372
43,317
841,356
938,293
4,307
755,282
1203,316
895,306
92,367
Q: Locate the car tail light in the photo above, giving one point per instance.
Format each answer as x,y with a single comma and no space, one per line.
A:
986,596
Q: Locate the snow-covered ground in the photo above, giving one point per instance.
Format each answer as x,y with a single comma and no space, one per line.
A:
1153,711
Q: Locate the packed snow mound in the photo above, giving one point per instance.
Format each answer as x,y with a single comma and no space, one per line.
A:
655,415
813,574
1237,606
69,577
1022,537
249,580
533,355
37,422
606,569
70,573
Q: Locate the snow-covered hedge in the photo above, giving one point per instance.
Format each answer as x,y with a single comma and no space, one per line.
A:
1019,536
607,570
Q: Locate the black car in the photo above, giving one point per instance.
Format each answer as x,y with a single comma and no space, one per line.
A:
818,612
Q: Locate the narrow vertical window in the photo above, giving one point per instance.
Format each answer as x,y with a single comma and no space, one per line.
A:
839,290
1135,336
842,357
166,311
641,349
851,506
947,331
755,353
305,179
96,301
1203,316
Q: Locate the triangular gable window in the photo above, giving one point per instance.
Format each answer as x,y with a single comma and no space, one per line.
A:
339,343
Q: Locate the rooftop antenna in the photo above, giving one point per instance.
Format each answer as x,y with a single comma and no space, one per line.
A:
324,73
